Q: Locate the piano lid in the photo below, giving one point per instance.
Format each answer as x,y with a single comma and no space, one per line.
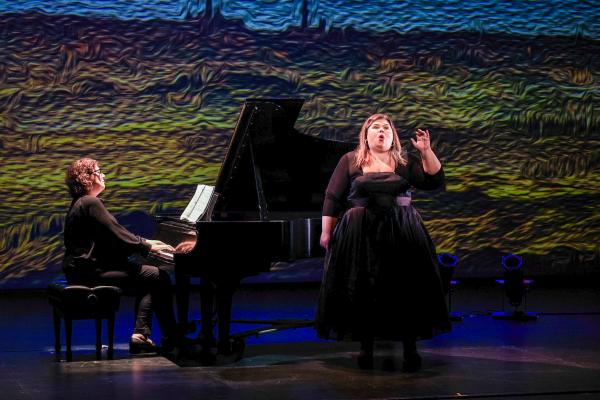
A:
267,155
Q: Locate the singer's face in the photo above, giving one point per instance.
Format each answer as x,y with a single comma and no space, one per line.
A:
380,135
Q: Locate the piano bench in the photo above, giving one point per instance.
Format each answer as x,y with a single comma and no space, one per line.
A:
76,302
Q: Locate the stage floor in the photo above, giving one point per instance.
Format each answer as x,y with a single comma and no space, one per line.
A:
555,357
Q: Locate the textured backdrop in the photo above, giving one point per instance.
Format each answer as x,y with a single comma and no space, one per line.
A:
510,92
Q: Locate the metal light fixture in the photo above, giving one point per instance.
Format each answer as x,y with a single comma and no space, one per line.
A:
515,289
448,263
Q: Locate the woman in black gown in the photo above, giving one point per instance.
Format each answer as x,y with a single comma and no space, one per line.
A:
381,279
97,251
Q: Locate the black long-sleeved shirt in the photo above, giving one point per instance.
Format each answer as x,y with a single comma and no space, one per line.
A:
95,241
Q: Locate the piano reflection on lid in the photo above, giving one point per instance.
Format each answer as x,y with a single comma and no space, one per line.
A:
266,207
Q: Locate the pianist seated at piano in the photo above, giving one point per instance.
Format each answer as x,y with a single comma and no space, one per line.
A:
98,251
381,279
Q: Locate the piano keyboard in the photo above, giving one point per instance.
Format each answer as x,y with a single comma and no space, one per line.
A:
165,255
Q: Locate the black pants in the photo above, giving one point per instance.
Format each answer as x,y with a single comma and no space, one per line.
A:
151,287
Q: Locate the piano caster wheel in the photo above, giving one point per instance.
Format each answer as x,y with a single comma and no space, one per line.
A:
233,350
237,348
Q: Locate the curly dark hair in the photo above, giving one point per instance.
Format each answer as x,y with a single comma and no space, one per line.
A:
79,176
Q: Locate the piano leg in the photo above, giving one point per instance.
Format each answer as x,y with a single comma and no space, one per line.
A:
207,310
224,304
222,294
182,295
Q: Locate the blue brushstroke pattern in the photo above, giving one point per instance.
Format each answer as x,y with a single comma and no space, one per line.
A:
560,18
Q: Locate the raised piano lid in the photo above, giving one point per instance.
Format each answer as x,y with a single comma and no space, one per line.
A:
291,168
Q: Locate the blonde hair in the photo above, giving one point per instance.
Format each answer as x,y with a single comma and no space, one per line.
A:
363,156
79,176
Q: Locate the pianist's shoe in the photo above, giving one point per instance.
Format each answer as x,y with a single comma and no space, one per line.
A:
412,362
141,344
365,360
412,359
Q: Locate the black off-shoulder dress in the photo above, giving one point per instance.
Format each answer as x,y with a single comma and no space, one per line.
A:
381,278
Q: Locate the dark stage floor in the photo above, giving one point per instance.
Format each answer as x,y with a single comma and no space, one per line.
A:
555,357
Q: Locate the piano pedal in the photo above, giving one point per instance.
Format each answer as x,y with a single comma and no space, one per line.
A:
238,347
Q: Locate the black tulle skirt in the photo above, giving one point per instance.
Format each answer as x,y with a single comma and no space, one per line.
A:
381,278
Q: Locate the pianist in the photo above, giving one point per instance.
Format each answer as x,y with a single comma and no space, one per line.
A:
381,279
98,250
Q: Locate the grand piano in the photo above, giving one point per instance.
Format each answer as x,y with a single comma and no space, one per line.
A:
266,207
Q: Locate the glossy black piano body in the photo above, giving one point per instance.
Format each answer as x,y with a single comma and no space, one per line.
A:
269,196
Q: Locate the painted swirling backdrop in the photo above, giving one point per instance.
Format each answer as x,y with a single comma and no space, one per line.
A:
152,89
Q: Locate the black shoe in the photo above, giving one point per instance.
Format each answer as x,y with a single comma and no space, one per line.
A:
141,346
388,364
365,360
412,362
